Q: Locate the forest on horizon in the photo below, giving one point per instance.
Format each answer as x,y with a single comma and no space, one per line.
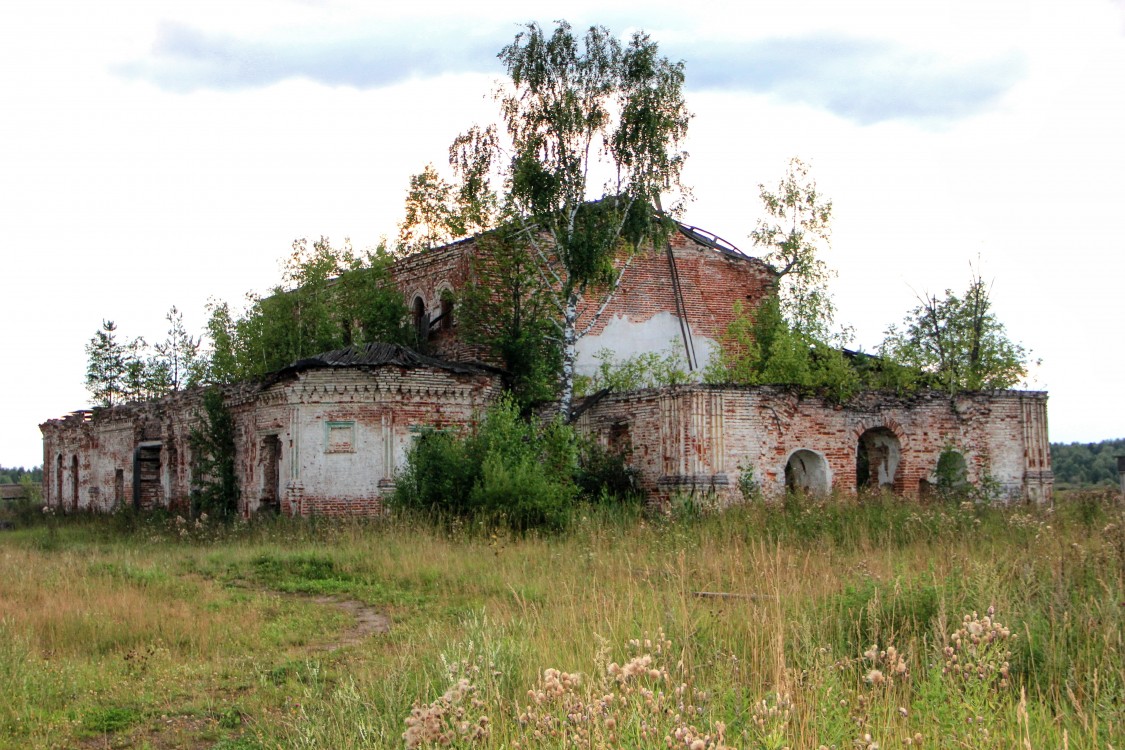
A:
1085,464
12,475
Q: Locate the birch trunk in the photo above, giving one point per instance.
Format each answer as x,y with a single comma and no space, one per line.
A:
569,355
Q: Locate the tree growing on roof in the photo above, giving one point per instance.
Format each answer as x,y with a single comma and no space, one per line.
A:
795,233
330,297
959,341
434,215
760,347
121,371
789,338
177,362
589,141
106,364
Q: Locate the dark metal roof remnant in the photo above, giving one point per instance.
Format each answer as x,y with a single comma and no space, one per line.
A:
366,356
709,239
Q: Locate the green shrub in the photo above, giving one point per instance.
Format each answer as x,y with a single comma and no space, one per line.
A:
212,446
517,491
952,474
508,471
439,475
604,476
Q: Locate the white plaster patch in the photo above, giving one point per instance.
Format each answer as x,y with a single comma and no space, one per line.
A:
660,333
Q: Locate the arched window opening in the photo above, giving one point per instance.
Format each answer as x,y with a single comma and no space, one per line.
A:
58,493
421,320
74,482
877,459
447,310
806,472
620,441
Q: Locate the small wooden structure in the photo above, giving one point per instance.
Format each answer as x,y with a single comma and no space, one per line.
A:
12,492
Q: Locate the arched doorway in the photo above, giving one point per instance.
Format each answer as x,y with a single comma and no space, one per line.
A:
877,459
269,499
806,472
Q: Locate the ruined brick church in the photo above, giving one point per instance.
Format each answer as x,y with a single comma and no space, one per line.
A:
325,435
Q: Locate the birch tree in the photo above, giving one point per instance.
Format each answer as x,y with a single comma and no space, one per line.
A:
588,142
795,232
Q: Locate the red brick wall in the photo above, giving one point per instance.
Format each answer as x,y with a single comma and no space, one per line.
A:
426,275
703,437
711,281
385,404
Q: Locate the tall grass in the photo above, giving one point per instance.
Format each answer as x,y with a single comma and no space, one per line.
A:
754,625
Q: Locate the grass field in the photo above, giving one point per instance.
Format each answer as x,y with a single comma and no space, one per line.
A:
840,624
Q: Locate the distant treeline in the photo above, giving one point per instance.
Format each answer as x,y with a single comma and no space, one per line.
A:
13,475
1073,463
1086,463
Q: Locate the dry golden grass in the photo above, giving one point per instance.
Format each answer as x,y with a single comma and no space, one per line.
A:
774,604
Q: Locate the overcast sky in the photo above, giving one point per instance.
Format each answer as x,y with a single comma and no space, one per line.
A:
160,153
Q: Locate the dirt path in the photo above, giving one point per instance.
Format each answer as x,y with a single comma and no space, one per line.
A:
368,621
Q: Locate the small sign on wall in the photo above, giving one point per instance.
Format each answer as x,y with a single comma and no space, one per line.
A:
339,437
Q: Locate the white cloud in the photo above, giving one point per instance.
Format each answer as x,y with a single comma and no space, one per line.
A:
864,80
121,198
375,55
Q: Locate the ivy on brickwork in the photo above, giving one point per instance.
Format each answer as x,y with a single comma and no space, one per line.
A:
213,451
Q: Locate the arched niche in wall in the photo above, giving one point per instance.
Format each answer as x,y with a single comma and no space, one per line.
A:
807,472
57,497
952,472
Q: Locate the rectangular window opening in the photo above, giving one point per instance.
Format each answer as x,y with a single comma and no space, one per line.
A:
339,437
